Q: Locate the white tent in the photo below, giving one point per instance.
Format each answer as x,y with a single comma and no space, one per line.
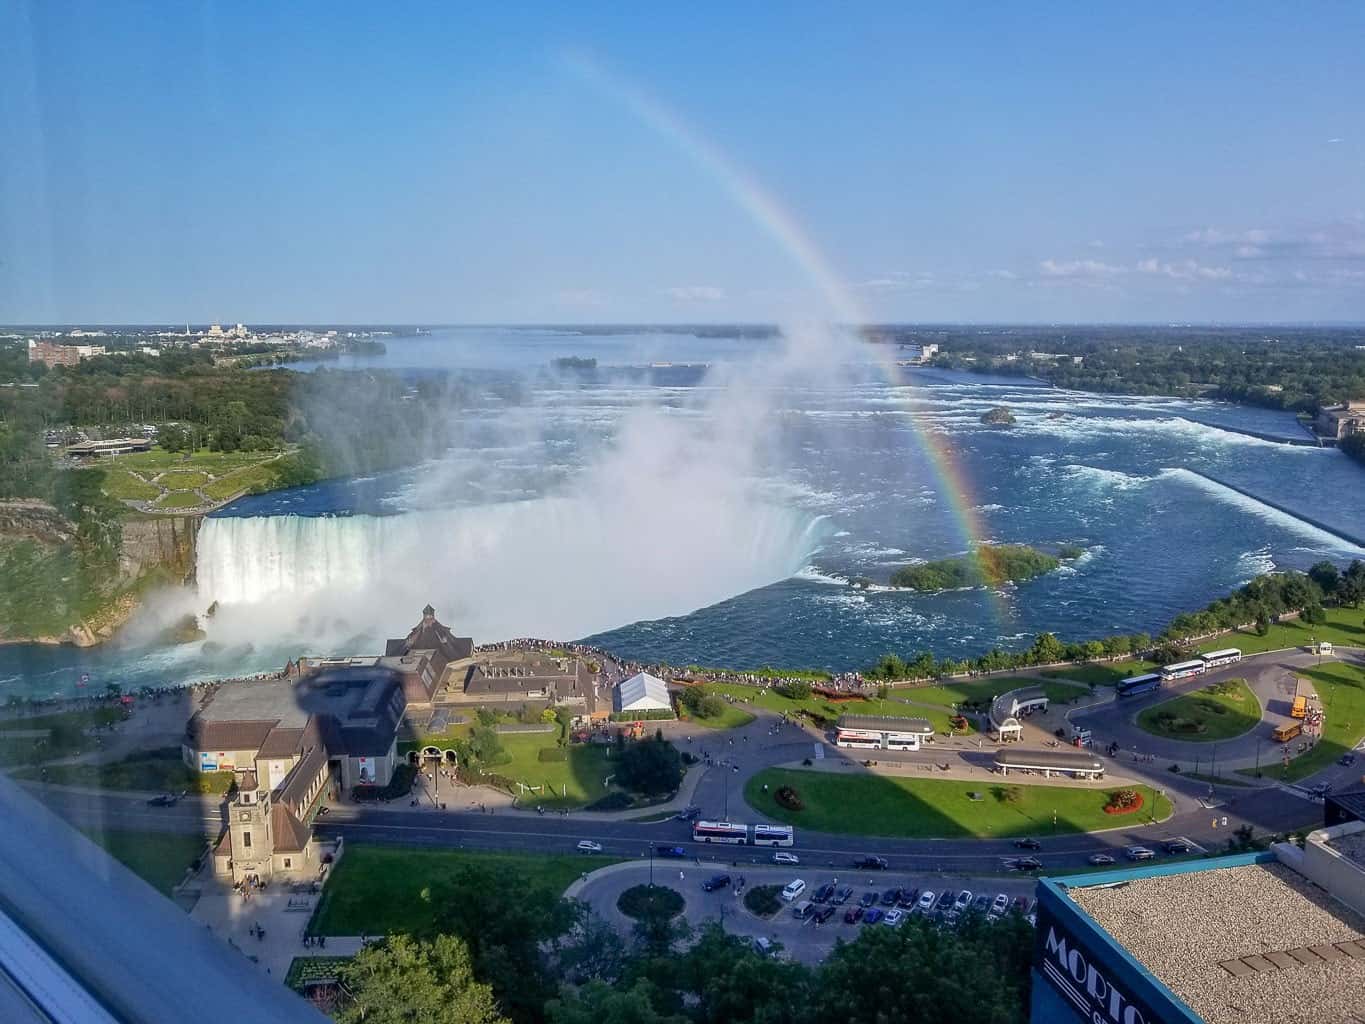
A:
641,692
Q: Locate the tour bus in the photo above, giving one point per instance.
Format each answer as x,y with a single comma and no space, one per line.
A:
1135,686
902,741
1182,670
865,738
773,835
719,832
1228,656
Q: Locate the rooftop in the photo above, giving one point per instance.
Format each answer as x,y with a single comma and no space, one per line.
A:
887,723
1253,942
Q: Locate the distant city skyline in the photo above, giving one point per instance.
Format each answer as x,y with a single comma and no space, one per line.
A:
346,165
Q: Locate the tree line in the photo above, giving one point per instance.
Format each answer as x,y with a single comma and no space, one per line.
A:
485,958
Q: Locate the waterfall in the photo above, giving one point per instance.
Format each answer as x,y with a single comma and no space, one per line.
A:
560,567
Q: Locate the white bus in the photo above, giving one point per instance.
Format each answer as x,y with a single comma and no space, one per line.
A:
1182,670
902,741
1229,656
773,835
719,832
865,738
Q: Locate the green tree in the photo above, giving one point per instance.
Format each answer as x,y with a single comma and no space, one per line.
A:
600,1003
401,980
652,767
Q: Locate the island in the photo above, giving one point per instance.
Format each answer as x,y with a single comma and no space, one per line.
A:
989,564
1000,416
575,363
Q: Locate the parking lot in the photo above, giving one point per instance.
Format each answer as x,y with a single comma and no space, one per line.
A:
808,940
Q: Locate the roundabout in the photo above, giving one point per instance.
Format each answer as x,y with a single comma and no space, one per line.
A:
1219,711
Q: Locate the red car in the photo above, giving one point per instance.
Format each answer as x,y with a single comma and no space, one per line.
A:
853,915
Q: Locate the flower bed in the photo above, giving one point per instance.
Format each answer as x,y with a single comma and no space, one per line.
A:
1124,801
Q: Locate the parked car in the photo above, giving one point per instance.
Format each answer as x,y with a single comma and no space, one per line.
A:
964,900
853,915
908,899
715,882
669,851
1100,858
1347,759
926,900
1000,904
871,863
793,889
782,857
843,896
1178,846
1027,844
891,897
588,846
824,893
824,914
868,899
1139,853
872,916
803,910
1021,904
894,917
946,899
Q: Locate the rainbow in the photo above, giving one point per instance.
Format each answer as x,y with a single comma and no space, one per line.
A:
768,213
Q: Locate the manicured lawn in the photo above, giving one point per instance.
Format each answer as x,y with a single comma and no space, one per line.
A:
1341,688
948,694
929,808
774,701
1102,675
246,479
377,890
573,782
155,771
159,858
182,479
732,717
179,499
1343,626
119,483
1216,712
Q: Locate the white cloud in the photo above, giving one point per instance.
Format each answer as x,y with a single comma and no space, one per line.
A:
1083,269
696,293
1187,270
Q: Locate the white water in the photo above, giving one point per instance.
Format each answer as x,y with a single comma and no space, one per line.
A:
557,567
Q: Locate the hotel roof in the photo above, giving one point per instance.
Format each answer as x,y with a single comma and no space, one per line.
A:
1253,942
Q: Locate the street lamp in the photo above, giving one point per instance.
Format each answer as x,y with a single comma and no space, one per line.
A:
651,865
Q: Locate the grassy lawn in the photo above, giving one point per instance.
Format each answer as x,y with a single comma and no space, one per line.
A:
246,479
120,483
732,717
179,499
948,694
1343,626
1103,675
182,479
159,858
1341,688
774,701
929,808
576,781
378,889
1216,712
155,771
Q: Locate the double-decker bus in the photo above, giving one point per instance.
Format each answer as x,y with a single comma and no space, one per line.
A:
719,832
773,835
1182,670
1229,656
1135,686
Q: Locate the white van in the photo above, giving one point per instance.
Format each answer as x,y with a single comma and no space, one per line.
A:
793,889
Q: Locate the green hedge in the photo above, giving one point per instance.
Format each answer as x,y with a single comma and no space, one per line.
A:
552,754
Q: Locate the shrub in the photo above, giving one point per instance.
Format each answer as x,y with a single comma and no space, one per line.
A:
643,901
1123,801
617,801
763,900
548,754
788,797
796,689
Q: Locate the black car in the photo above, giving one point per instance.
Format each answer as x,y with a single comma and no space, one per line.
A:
164,800
669,851
842,896
871,863
823,894
715,882
891,897
868,899
1028,864
824,914
1027,844
909,899
1347,759
1177,846
688,814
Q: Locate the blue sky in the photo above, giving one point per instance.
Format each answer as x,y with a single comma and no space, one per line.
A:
372,162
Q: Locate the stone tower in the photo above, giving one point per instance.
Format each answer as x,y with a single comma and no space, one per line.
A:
253,846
